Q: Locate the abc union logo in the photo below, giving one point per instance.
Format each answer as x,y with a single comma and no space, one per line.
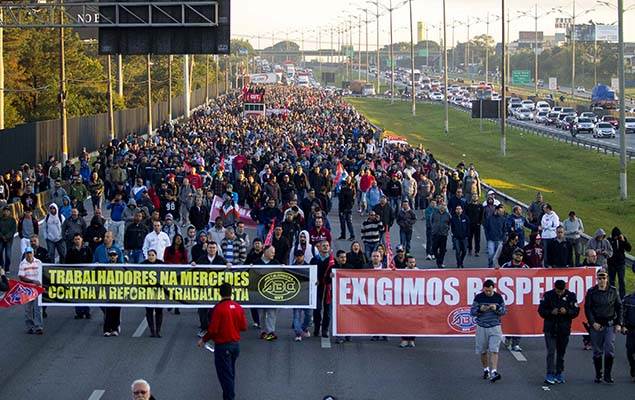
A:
460,320
279,286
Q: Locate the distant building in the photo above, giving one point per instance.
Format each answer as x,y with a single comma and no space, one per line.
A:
421,31
530,40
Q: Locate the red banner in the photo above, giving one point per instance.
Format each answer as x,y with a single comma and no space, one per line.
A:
19,293
436,302
243,212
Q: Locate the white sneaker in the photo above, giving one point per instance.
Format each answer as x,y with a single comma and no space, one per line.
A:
298,338
306,333
107,334
428,257
114,333
433,257
201,333
517,348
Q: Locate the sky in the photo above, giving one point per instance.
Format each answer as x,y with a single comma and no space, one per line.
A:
287,18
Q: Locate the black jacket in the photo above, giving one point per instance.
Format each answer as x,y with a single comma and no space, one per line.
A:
629,311
356,260
218,260
81,256
386,214
134,236
559,254
346,199
619,248
603,306
558,324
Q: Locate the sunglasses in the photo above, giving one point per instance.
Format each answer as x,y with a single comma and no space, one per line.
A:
601,278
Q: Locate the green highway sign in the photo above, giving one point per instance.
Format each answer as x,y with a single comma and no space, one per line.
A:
521,77
422,53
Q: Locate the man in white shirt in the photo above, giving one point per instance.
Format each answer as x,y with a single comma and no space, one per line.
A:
156,240
29,272
548,224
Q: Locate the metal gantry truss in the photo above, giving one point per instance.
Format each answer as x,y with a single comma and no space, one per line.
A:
109,14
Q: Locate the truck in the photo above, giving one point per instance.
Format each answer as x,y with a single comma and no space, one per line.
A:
603,96
362,88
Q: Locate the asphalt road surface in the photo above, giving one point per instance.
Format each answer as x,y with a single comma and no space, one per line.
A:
73,361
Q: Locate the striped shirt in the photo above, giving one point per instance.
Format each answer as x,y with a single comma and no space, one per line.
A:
371,231
30,270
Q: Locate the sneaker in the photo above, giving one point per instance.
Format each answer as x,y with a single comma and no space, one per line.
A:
201,333
271,337
298,338
517,348
441,266
107,334
374,339
403,344
325,334
306,334
114,333
550,379
341,238
494,376
428,257
339,340
486,374
348,338
411,344
559,378
433,257
476,254
587,346
39,331
255,325
263,335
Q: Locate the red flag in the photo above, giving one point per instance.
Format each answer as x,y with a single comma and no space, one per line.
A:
389,256
20,293
269,237
328,286
221,163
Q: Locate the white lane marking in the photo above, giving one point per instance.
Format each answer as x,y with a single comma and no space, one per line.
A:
326,343
142,327
96,395
518,356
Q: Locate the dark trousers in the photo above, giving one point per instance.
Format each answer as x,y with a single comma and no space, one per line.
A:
405,237
429,243
440,243
82,311
460,249
618,270
346,220
5,254
474,240
255,316
630,348
322,313
203,318
112,318
225,356
556,348
603,342
154,316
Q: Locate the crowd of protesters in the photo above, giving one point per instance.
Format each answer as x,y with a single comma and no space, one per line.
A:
151,197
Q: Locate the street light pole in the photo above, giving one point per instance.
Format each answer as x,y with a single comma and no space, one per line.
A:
536,49
62,95
378,60
486,48
412,64
446,127
620,63
359,48
392,61
1,71
503,105
367,63
573,51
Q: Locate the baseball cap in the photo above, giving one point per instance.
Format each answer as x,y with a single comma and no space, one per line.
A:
28,249
602,272
489,192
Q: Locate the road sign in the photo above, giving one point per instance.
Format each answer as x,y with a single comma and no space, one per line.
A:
422,52
521,77
553,83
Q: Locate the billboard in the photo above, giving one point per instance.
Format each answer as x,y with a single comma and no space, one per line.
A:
421,31
553,83
606,33
530,36
562,23
263,78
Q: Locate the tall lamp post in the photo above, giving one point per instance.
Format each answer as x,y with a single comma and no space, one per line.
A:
446,129
412,64
535,17
503,104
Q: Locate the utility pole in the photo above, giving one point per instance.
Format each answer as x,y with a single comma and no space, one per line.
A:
467,48
412,65
536,49
216,73
120,75
111,116
1,71
503,105
206,78
149,94
620,63
392,61
170,58
62,95
446,127
367,63
359,47
378,61
332,48
350,40
453,46
186,84
573,51
427,48
486,48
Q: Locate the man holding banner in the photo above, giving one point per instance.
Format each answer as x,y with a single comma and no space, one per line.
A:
488,308
29,272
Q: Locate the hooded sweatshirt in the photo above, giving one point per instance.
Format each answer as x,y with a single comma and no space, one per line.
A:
53,225
309,249
66,208
601,246
549,223
618,258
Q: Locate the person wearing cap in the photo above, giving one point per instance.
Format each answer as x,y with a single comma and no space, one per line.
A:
558,308
488,307
170,228
603,311
399,259
29,272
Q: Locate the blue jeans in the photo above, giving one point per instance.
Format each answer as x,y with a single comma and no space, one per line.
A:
5,254
369,248
492,245
135,256
301,324
261,231
404,238
33,315
225,356
460,249
60,246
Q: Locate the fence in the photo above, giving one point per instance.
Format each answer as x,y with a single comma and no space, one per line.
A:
36,141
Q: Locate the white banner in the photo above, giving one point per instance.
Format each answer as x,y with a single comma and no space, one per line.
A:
553,83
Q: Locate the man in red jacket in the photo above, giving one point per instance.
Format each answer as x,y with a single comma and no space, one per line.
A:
228,320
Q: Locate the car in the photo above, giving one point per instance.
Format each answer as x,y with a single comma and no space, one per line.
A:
514,100
568,111
556,109
436,96
611,120
603,130
582,124
524,114
629,124
591,115
580,89
541,117
528,104
512,108
543,106
551,119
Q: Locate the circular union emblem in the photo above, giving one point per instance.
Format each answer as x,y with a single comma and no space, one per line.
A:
460,320
279,286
